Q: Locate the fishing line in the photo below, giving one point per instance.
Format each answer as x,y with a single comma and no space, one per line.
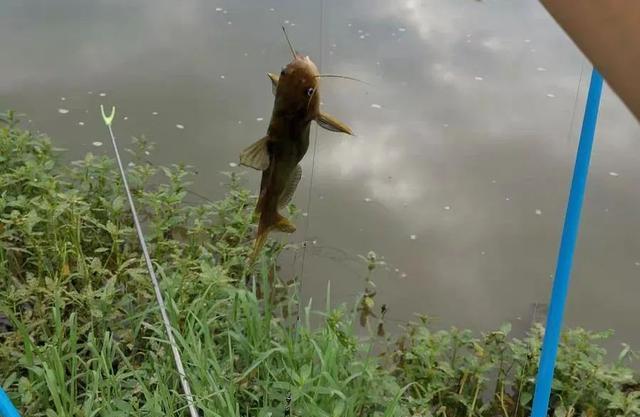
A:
288,400
575,103
156,286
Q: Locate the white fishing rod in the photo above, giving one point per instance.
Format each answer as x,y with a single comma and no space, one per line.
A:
163,310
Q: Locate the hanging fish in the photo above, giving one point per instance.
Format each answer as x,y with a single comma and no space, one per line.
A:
277,155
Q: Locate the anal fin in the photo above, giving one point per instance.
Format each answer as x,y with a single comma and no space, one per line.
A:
284,225
290,189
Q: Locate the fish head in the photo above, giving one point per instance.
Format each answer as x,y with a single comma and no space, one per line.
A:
297,91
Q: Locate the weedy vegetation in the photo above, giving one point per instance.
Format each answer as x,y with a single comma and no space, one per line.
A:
80,333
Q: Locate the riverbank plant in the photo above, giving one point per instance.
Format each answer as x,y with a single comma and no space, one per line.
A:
80,333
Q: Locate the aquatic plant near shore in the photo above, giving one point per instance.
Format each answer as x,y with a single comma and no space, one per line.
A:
80,334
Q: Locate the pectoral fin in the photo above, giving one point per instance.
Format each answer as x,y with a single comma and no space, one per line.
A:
256,156
331,123
274,82
290,189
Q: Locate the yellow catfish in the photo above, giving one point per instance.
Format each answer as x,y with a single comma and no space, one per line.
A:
277,155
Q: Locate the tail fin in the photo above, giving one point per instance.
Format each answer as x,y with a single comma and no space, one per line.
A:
261,239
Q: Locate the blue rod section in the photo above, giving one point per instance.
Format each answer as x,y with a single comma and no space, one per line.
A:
6,407
567,249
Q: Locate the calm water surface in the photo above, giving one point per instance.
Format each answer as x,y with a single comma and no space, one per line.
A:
465,142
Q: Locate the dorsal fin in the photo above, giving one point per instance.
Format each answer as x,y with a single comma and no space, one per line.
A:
290,189
274,82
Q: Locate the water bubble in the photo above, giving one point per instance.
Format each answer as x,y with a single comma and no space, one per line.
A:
493,181
527,41
102,94
445,125
125,118
222,77
147,153
397,270
239,122
376,106
403,275
314,241
359,30
155,113
367,200
233,164
229,22
402,29
63,98
483,253
246,54
90,92
541,69
63,111
478,78
507,199
614,174
179,126
292,24
413,237
131,164
305,214
271,9
218,9
538,212
80,123
551,95
362,36
224,12
447,208
349,24
286,22
259,119
637,264
97,144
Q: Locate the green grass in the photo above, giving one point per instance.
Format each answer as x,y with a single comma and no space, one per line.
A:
80,334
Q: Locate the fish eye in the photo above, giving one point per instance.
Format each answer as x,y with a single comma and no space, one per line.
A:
309,91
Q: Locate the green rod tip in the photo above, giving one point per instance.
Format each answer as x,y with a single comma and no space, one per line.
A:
108,119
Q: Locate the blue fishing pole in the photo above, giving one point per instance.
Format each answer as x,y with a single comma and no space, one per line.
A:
6,407
567,249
